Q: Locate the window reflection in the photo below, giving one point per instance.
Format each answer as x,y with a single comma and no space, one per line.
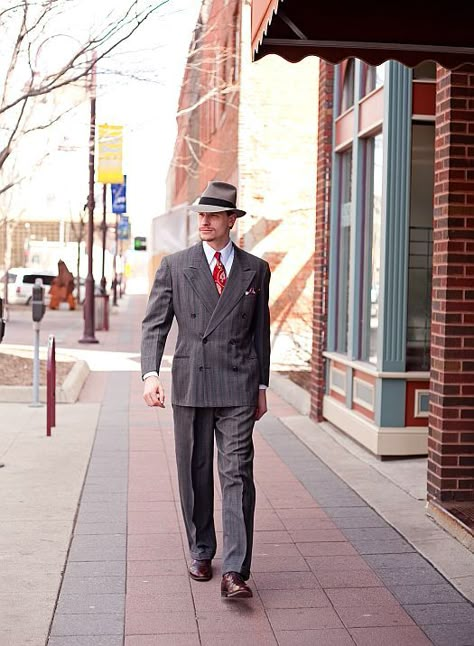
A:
348,86
344,251
420,258
374,77
373,222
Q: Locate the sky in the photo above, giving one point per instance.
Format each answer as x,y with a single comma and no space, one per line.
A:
137,87
147,110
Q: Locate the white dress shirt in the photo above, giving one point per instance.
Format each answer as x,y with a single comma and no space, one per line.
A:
227,258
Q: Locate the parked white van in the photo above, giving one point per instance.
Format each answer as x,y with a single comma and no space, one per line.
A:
21,281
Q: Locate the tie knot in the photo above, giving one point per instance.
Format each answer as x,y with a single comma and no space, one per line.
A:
217,256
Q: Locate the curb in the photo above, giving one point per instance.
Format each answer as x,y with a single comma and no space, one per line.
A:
298,397
68,393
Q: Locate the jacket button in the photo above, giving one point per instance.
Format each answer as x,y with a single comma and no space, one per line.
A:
204,340
234,368
232,342
244,315
201,368
193,316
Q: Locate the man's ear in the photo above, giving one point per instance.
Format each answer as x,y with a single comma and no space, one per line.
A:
232,219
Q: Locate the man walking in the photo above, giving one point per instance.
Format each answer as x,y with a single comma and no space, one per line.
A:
219,296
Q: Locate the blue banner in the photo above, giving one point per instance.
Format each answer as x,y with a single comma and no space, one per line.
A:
119,196
123,228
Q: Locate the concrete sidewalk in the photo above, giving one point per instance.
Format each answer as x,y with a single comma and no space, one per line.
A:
327,569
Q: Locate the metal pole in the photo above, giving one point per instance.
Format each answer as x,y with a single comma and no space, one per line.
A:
89,317
36,367
115,257
103,280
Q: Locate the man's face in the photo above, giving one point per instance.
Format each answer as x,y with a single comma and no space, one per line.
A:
215,228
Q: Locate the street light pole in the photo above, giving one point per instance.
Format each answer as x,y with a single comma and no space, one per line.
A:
115,257
89,313
103,280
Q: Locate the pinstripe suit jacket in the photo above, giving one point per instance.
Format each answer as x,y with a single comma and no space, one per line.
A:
223,347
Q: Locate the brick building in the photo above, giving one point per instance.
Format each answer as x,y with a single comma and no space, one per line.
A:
393,350
235,124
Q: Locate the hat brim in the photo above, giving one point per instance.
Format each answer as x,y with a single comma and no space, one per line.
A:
209,208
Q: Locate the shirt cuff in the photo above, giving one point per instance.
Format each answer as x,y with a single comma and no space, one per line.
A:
262,387
153,373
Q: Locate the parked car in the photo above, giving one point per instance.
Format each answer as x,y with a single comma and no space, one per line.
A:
21,281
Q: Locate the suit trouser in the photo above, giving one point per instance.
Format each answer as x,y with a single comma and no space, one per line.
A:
194,443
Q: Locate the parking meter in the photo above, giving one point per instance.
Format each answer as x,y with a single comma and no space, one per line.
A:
2,321
38,306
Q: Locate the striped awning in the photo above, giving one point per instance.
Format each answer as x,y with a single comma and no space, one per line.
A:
372,31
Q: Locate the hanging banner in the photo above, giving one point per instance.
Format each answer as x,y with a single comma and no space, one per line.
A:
119,196
109,168
123,228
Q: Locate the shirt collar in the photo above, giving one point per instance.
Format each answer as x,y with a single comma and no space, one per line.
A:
225,252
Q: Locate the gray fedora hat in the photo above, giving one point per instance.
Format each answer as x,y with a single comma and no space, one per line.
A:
218,196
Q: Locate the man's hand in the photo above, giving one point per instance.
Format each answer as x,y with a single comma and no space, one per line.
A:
262,404
154,393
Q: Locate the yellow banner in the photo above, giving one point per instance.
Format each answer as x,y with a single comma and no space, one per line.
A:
109,169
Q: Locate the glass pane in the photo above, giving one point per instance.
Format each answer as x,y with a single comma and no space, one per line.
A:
373,223
425,71
344,251
348,86
374,77
420,256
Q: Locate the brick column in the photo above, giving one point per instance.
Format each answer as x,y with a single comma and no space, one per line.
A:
451,421
323,192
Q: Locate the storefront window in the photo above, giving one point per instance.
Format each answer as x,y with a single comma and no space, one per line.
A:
420,258
425,71
344,251
374,77
373,221
348,86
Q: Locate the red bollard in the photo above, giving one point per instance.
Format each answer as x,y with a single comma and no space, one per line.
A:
51,386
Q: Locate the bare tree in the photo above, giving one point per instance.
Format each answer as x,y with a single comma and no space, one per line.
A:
41,53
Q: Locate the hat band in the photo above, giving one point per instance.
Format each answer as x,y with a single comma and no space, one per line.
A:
214,201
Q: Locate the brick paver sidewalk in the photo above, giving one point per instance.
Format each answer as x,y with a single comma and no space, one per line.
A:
327,569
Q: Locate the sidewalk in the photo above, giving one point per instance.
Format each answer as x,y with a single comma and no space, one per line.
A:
327,568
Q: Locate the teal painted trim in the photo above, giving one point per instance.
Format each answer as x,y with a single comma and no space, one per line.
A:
333,228
391,348
390,397
357,230
349,387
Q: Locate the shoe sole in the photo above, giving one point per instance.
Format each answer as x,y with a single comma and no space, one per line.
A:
242,594
200,578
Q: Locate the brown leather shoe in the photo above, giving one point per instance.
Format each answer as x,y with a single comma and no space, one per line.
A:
234,587
200,570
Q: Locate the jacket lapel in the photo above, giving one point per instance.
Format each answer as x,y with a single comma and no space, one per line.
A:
240,277
200,278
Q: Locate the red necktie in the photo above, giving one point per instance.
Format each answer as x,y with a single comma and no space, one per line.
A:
219,274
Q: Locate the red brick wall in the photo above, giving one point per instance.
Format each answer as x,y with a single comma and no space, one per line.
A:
451,420
206,146
325,123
